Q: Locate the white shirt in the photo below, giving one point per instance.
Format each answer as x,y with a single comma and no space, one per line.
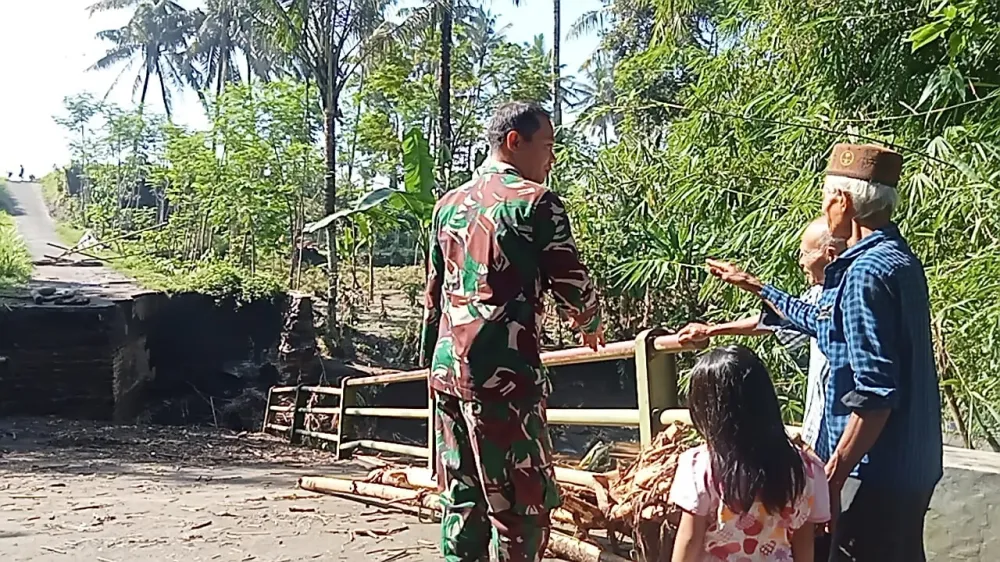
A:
818,372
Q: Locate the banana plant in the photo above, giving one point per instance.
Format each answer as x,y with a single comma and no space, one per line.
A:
415,201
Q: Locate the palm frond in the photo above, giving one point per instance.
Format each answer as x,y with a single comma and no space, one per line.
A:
589,22
114,57
108,5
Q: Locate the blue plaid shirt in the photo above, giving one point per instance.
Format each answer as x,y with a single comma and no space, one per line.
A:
873,324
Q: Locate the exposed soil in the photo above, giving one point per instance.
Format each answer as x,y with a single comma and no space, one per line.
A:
84,491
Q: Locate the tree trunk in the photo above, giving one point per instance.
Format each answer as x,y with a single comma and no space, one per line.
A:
354,133
145,88
356,285
371,268
163,92
556,87
444,93
223,69
330,193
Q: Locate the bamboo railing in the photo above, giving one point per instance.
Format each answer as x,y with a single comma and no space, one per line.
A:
653,350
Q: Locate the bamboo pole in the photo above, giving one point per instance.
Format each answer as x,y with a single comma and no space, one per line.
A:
571,356
405,376
331,390
421,477
403,413
577,477
672,415
317,435
398,448
611,417
331,485
683,415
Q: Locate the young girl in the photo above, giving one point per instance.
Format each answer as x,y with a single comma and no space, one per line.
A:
748,494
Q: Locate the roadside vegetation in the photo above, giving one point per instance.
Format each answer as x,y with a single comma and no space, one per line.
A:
696,129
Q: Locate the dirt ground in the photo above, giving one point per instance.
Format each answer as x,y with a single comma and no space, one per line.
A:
84,491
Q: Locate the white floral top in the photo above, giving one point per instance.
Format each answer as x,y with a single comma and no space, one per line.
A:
755,536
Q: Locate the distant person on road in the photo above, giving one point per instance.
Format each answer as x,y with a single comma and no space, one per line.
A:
817,249
882,422
748,493
497,243
21,175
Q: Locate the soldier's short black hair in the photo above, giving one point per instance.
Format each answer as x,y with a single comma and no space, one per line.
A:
525,117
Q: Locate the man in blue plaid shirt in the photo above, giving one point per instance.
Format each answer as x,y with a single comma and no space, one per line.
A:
882,421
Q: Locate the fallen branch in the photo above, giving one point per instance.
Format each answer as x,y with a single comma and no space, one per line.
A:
76,247
70,251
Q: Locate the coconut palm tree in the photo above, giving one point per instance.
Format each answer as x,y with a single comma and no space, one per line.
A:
221,33
156,36
557,94
596,96
227,29
446,11
444,88
329,40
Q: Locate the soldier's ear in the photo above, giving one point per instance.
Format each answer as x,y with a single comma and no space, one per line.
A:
513,140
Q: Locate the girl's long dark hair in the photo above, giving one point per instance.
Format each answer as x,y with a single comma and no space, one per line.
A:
734,408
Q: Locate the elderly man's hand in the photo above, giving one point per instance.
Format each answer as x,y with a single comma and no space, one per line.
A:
732,274
694,332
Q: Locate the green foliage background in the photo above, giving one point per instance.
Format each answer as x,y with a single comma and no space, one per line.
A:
751,95
700,128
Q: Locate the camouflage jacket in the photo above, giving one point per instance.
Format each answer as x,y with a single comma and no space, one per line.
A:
496,244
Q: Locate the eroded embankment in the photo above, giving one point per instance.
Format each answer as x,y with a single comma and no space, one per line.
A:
154,358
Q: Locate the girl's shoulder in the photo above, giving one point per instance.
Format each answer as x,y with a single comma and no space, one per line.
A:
695,457
691,489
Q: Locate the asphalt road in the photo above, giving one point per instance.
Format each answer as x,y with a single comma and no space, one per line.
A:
36,226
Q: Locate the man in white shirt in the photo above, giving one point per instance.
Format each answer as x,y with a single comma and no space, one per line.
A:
817,249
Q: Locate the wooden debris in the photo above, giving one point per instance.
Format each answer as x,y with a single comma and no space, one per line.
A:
561,545
629,502
86,507
397,556
201,525
568,548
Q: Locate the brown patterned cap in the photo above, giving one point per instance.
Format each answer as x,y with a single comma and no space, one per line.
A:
866,162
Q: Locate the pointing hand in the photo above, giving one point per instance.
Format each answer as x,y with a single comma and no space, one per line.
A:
732,274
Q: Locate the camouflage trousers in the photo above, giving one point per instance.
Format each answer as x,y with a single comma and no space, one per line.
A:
494,467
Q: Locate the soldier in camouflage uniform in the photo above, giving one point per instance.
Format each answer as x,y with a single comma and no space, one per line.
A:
497,243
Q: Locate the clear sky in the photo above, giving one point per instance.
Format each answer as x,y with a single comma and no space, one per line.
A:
46,47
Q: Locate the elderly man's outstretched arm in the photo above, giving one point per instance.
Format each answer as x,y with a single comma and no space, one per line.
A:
800,314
